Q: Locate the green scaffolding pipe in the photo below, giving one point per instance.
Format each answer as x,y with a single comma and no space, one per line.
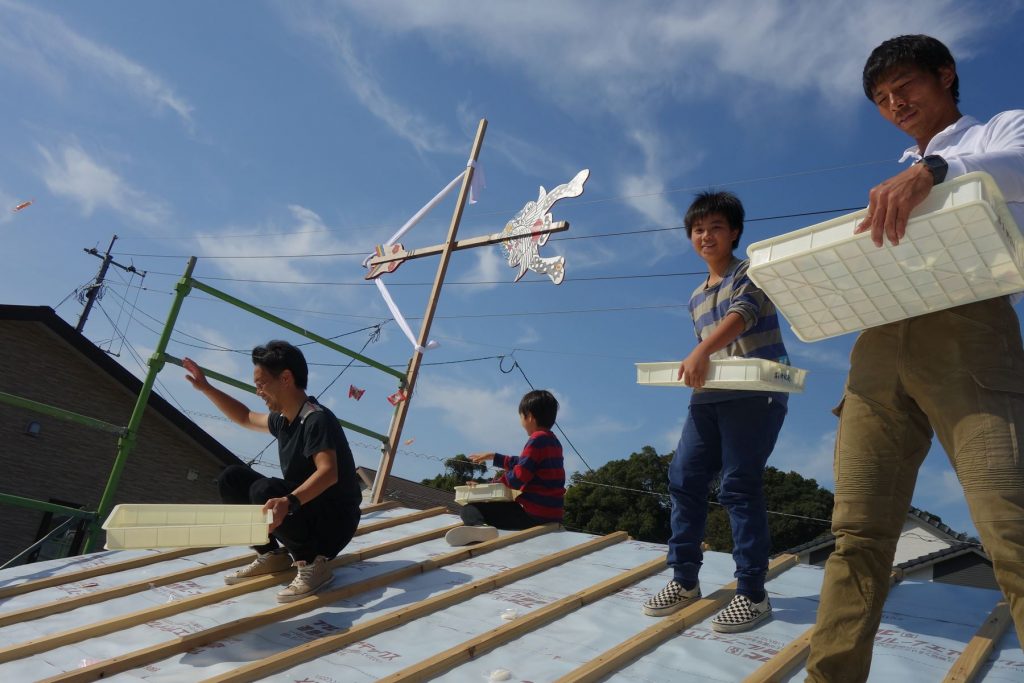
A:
53,411
295,328
212,374
126,444
18,501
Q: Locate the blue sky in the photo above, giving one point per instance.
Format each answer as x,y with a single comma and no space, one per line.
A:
233,129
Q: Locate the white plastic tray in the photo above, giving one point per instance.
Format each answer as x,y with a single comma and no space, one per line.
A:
962,245
186,526
744,374
484,493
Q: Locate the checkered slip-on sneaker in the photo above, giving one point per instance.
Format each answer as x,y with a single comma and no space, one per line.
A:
671,598
741,614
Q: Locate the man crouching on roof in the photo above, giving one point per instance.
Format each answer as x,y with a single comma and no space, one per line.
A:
316,504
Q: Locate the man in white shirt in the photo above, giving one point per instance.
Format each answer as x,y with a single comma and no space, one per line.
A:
959,372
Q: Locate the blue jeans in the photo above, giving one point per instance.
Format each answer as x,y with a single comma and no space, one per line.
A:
734,437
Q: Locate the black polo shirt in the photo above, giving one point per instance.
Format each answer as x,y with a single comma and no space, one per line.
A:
315,429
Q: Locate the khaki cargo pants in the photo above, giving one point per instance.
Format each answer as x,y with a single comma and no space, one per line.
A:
961,372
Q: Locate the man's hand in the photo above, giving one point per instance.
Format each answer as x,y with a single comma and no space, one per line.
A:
694,369
891,202
279,506
481,457
195,375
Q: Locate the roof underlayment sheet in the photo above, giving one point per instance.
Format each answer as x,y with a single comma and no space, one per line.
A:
541,605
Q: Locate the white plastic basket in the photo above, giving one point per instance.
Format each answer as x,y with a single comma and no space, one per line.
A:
962,245
743,374
484,493
186,526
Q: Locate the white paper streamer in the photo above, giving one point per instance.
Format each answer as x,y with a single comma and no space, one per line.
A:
417,217
400,319
478,183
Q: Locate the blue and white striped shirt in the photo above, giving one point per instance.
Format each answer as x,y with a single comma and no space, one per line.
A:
760,338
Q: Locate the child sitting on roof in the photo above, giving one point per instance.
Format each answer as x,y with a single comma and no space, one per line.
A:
538,474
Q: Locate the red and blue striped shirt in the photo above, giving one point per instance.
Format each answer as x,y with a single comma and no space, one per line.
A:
539,474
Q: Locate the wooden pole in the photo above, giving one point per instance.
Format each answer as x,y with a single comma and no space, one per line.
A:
633,648
793,656
385,622
402,409
967,666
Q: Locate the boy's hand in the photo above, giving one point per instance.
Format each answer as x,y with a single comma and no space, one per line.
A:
195,376
694,369
481,457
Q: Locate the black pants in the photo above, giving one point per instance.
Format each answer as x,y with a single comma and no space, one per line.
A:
500,515
320,527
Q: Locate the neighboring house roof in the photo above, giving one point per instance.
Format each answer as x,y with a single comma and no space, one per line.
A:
822,541
936,523
943,555
409,493
544,604
46,316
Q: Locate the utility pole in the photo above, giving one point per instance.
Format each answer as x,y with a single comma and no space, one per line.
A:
94,289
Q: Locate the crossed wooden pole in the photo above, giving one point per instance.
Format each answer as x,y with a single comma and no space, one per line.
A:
388,259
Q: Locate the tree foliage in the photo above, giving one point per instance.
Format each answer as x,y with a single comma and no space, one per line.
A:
601,510
592,504
457,471
787,493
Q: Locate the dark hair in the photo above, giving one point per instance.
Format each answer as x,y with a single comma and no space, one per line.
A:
722,202
276,356
915,50
542,404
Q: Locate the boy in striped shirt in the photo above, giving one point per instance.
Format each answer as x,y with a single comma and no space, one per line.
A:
538,473
727,432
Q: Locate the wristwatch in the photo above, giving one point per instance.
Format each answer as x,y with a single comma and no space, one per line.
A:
936,165
293,503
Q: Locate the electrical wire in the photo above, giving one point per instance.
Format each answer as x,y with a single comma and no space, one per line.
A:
560,238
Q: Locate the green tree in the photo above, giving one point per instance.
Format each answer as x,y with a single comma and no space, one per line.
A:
632,495
457,471
598,509
786,493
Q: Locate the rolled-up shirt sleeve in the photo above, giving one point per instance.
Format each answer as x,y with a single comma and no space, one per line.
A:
747,299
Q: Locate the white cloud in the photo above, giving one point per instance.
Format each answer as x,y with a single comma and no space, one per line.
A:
811,456
305,233
625,56
485,418
335,37
527,336
71,172
490,266
42,47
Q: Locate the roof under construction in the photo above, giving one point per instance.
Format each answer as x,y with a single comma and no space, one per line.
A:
542,604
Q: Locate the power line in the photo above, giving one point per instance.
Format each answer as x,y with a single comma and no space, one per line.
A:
578,202
335,283
562,238
517,366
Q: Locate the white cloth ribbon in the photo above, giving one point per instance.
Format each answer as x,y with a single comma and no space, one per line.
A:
474,187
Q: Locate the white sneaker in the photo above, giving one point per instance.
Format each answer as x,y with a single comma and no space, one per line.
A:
309,578
265,563
466,535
